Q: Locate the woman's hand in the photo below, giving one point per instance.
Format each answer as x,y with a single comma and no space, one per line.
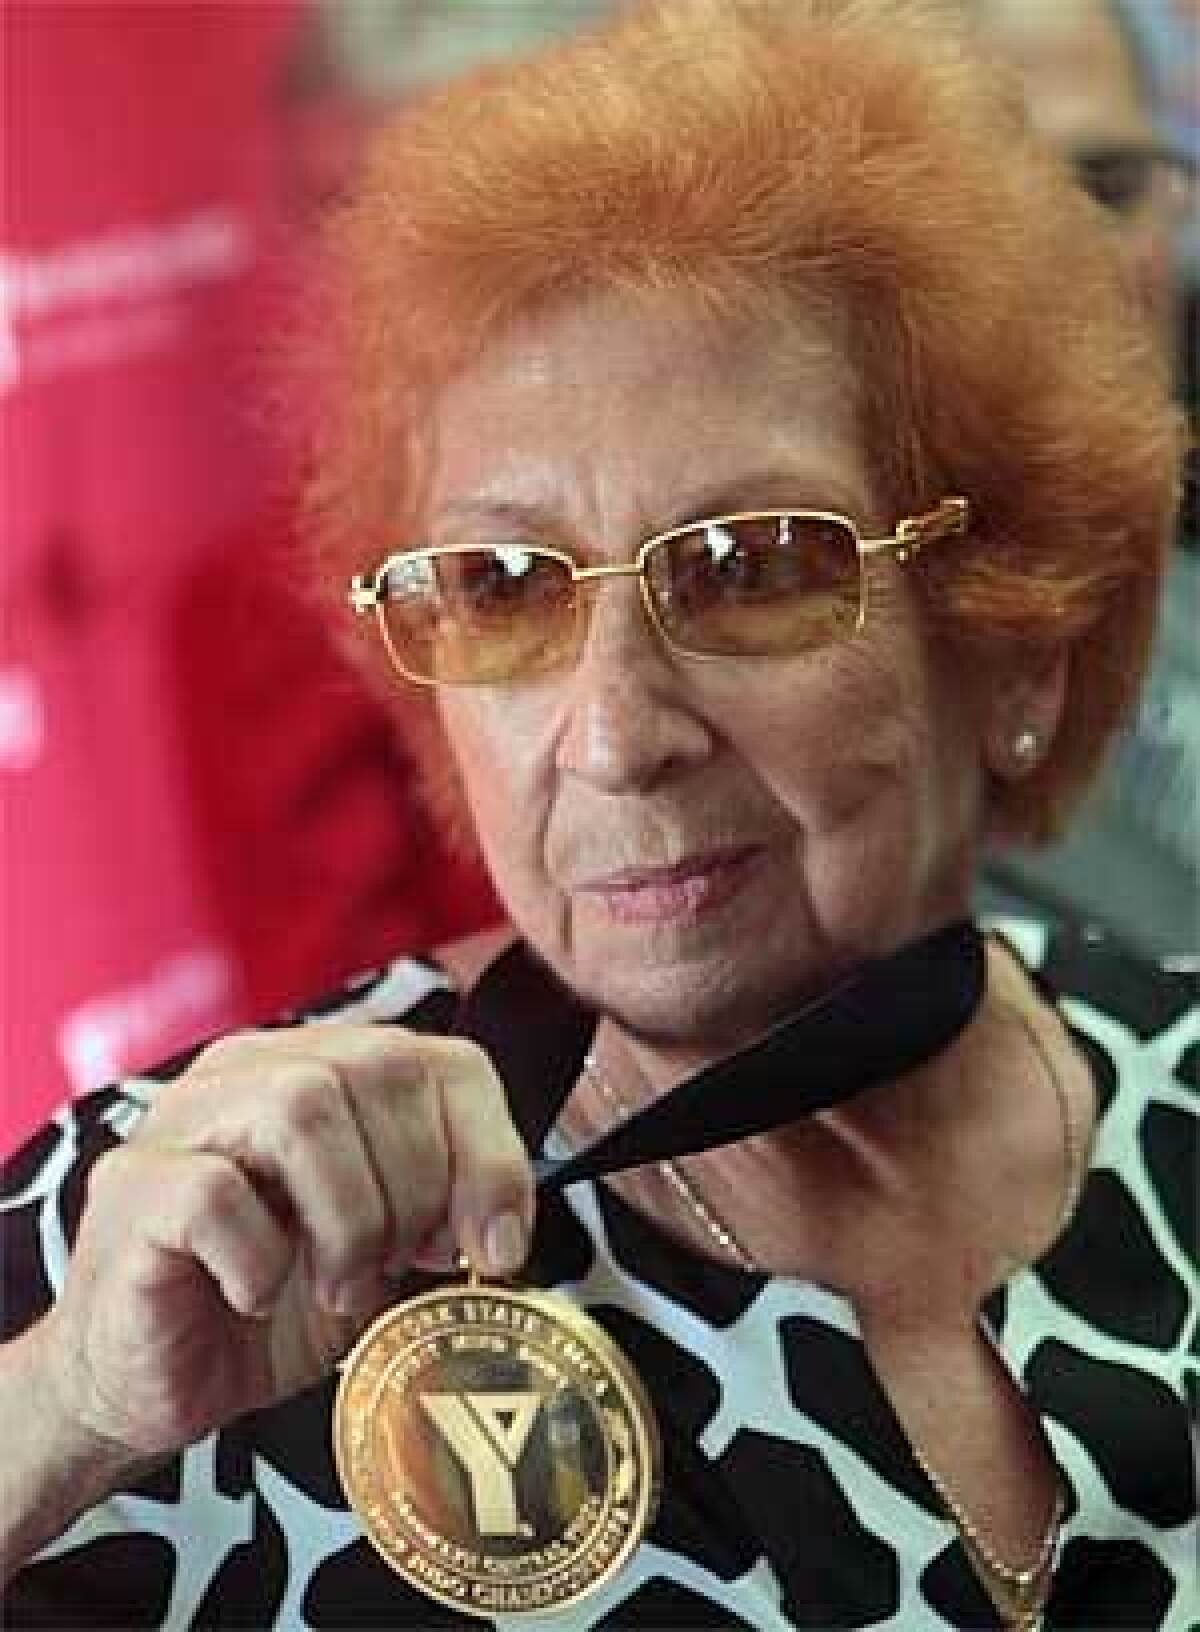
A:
232,1250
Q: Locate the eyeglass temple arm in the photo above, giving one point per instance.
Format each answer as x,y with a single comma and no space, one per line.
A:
912,534
363,594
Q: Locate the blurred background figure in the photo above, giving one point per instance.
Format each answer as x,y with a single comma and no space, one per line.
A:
1170,30
201,816
1092,88
1108,84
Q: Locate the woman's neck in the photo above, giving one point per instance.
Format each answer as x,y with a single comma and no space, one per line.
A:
966,1157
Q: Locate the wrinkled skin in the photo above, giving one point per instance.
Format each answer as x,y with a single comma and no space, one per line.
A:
843,788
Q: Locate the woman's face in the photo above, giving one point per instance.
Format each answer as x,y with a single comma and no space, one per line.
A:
696,846
1084,93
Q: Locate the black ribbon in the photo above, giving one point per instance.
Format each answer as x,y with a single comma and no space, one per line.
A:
886,1019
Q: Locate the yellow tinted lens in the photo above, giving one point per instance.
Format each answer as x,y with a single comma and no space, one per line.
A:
760,587
479,616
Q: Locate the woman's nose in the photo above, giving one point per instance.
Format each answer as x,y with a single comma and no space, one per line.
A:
629,715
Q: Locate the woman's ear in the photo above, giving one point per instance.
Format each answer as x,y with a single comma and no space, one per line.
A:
1022,718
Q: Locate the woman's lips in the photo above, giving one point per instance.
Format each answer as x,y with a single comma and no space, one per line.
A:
660,895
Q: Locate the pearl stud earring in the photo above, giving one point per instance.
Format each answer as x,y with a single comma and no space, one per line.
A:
1026,747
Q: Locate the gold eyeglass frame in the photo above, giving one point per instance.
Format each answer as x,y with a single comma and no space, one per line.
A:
949,518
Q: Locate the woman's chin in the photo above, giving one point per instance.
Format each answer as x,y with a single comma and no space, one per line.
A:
711,1003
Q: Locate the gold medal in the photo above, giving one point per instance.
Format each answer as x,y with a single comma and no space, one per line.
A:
498,1448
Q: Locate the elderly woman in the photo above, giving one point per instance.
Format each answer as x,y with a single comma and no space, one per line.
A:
760,524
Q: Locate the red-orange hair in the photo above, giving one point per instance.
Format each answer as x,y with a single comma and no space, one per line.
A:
743,158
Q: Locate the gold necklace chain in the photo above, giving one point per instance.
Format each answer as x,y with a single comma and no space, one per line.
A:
1020,1593
1073,1167
674,1176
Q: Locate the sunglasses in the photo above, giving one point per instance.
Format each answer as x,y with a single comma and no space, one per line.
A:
1121,178
761,583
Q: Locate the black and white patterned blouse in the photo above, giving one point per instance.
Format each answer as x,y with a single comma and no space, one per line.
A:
791,1496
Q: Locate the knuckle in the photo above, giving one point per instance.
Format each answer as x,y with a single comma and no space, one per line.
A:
460,1067
230,1049
363,1046
308,1100
414,1097
213,1185
112,1170
460,1057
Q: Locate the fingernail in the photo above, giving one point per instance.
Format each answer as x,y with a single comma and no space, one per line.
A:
505,1243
